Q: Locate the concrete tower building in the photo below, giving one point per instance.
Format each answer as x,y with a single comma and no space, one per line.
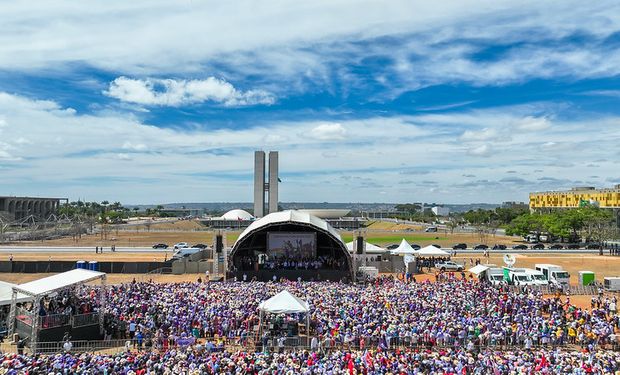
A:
261,186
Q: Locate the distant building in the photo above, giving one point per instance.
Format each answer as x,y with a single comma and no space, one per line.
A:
16,208
440,211
577,197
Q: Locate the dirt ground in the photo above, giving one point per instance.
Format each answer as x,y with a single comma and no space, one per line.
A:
108,256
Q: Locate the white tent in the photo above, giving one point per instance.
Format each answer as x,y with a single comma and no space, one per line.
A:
284,303
477,270
403,249
370,248
431,251
6,293
53,283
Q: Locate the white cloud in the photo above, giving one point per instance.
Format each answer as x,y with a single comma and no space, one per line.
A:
482,150
123,156
485,134
170,92
328,132
134,146
533,124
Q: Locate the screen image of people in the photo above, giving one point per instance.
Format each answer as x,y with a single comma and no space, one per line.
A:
292,245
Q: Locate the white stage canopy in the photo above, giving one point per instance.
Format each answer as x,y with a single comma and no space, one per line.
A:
370,248
431,251
403,249
6,293
284,303
53,283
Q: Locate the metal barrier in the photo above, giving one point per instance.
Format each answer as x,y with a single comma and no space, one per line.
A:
82,320
574,290
53,321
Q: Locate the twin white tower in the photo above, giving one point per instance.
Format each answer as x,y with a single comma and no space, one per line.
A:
261,186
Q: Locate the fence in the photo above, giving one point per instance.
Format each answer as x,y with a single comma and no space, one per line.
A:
574,290
302,342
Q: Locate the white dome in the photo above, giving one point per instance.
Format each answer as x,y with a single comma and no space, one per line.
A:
237,215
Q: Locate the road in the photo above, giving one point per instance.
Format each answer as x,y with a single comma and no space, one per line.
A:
67,249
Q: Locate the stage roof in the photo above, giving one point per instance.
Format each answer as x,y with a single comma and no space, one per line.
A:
63,280
6,293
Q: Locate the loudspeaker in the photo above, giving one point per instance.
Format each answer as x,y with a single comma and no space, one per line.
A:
219,243
360,245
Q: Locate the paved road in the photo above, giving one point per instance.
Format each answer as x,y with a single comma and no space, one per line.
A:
65,249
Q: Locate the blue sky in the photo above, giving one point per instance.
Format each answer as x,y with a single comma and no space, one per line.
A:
454,101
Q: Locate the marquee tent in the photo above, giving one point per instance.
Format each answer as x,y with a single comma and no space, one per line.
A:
403,249
284,303
477,270
431,251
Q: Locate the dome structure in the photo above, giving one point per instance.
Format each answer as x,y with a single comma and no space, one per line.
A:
237,215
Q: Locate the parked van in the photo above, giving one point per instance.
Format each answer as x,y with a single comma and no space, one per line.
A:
554,274
185,252
537,277
494,275
517,276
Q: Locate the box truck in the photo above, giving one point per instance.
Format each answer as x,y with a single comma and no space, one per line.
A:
612,284
554,274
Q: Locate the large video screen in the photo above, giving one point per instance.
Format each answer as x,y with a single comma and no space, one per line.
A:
291,244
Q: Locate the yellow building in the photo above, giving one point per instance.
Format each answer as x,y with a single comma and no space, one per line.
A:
578,196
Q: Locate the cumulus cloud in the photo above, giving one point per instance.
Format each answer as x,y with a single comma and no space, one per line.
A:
533,124
328,132
134,146
482,150
174,93
485,134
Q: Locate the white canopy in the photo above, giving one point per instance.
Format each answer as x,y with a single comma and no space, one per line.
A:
6,293
284,303
53,283
431,251
403,249
370,248
477,270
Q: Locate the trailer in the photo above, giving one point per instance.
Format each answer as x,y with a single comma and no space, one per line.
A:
612,284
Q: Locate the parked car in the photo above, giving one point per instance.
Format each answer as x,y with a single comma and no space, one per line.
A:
499,247
431,229
538,246
392,246
520,247
181,245
448,265
415,246
556,246
160,246
481,247
200,246
592,246
460,246
573,246
437,246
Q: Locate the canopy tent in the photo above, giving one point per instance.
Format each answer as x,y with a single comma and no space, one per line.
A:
37,289
403,249
431,251
284,303
53,283
6,293
370,248
477,270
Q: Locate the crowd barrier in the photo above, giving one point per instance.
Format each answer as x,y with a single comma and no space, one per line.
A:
63,266
305,343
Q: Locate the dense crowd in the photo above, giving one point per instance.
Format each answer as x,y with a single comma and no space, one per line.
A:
197,360
448,326
289,263
388,312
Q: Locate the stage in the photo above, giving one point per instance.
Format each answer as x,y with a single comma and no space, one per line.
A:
293,275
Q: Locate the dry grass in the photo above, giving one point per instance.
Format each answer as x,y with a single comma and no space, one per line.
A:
112,278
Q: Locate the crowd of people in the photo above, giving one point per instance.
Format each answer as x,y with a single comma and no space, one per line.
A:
450,326
289,263
197,360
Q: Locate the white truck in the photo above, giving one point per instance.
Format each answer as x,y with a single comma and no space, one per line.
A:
494,275
536,276
555,274
612,284
517,276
